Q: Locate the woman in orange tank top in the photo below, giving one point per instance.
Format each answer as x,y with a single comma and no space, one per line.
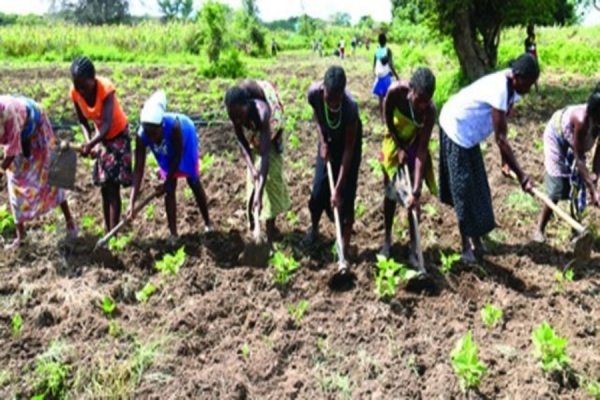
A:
95,99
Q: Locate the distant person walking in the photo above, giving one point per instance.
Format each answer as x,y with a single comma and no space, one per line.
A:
368,44
273,47
342,47
383,66
353,43
320,47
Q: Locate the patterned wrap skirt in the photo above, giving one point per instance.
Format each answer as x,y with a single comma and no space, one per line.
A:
464,186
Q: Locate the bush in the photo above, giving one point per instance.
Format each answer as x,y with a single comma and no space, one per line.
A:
229,65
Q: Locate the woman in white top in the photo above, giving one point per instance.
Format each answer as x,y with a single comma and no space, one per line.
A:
468,118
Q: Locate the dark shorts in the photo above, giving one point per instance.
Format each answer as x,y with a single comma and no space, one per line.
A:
320,198
557,188
114,164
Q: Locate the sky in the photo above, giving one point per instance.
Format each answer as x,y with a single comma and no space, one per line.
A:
269,9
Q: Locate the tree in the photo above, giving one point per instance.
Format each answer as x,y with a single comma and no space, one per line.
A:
475,25
251,8
366,21
94,12
341,19
212,20
172,9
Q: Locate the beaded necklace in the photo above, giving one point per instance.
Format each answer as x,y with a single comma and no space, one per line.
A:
331,125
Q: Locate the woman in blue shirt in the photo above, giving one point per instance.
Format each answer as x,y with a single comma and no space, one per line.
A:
172,139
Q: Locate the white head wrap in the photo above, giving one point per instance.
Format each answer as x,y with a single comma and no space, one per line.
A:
154,108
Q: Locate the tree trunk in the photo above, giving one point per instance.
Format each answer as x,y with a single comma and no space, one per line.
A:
470,54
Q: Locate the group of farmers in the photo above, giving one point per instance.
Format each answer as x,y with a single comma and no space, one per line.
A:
257,114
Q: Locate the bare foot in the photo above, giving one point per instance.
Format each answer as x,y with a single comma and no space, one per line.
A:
468,257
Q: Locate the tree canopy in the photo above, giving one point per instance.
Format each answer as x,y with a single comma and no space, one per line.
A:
475,25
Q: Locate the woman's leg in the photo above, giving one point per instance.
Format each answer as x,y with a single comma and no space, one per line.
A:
111,204
171,208
544,218
389,209
201,201
71,229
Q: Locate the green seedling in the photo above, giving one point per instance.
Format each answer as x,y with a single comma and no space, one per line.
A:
50,228
430,210
360,210
149,212
389,275
187,193
108,306
298,312
563,278
294,141
292,218
17,324
143,295
118,244
170,264
466,364
400,228
51,373
549,348
88,222
491,315
207,161
7,222
593,388
246,350
114,329
376,167
434,145
448,262
283,266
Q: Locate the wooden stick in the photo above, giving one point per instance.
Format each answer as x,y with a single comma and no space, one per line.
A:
338,227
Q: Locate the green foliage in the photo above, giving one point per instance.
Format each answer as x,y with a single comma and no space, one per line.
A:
229,65
170,263
149,212
448,262
549,348
172,9
466,364
143,295
108,306
213,28
389,275
246,350
7,222
114,329
118,243
563,278
207,161
17,324
519,200
283,266
491,315
593,388
51,372
298,312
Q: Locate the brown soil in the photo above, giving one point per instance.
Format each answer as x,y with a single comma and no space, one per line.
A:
349,344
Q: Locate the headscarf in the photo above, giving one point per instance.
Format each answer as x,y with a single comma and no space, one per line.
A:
154,108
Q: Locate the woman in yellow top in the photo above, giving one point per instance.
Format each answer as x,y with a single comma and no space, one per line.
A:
410,115
255,106
95,99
